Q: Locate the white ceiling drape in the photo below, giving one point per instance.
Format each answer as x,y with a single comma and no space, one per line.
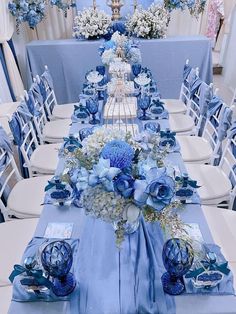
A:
6,32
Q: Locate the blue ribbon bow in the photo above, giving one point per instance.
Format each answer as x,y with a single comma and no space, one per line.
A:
167,137
37,274
57,184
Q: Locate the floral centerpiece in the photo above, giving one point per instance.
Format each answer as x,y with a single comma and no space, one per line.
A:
150,23
117,176
91,23
30,11
120,46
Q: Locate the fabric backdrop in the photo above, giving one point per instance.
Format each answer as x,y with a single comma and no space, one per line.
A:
6,32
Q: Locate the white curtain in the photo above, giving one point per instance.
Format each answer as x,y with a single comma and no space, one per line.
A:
182,23
229,71
6,32
5,95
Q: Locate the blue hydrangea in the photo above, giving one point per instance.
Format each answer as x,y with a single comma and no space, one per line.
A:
119,152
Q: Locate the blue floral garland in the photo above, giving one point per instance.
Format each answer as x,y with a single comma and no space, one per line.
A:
34,11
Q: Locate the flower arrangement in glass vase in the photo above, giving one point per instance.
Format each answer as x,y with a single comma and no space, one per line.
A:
150,23
91,23
118,177
30,11
120,46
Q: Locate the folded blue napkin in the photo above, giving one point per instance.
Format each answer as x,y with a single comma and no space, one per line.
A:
19,292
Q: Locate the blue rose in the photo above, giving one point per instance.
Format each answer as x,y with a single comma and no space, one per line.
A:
124,185
160,192
157,190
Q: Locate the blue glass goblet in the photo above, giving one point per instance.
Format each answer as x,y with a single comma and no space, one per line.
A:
136,69
177,256
101,69
92,106
85,132
57,259
143,104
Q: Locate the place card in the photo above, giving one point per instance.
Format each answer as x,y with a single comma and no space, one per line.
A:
59,230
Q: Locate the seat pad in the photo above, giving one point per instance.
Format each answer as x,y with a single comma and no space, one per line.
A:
213,181
45,158
181,123
7,109
27,196
194,148
14,237
174,106
57,129
63,111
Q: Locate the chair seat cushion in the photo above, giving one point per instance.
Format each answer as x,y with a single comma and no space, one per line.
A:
27,196
213,181
45,158
222,224
174,106
56,130
5,299
7,109
14,237
194,148
181,123
63,111
4,123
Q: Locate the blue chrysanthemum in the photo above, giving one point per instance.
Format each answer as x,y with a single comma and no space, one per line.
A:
119,152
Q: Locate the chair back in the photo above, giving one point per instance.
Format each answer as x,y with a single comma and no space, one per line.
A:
29,142
184,91
9,175
197,106
50,99
228,165
39,116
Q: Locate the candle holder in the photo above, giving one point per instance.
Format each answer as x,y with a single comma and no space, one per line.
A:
115,6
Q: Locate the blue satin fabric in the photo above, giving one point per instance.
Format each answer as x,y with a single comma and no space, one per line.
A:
232,134
128,280
46,76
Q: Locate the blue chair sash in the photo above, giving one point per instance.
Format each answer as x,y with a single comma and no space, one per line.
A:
205,96
46,76
37,93
6,146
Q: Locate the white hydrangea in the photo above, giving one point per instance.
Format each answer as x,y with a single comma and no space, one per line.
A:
91,23
108,56
108,206
120,40
150,23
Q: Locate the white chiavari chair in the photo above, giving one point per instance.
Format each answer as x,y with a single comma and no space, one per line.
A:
39,159
179,105
54,111
26,195
49,131
203,149
217,183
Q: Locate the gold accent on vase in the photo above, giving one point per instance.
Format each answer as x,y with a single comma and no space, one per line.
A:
115,6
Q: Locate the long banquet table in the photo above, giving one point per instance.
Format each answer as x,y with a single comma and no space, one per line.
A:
119,282
69,60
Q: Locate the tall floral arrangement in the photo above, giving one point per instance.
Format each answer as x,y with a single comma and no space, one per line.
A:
120,46
91,23
29,11
150,23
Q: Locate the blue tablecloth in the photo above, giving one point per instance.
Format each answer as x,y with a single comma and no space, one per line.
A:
69,60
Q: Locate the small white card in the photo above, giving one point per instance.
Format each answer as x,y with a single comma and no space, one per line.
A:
194,232
58,230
